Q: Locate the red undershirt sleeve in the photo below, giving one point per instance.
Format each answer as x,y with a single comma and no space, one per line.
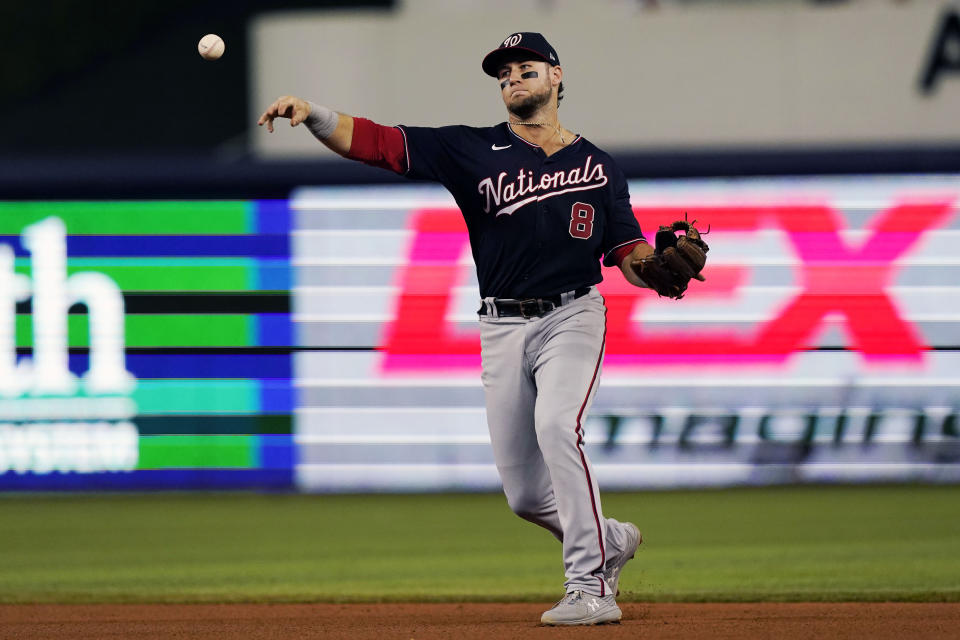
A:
623,251
378,146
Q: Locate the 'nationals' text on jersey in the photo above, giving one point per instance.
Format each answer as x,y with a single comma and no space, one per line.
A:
538,224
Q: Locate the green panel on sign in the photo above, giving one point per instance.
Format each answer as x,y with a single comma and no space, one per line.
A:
197,452
203,217
159,330
197,397
131,274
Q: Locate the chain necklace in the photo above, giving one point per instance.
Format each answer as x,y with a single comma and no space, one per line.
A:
542,124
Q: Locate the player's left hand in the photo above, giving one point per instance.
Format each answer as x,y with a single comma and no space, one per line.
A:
675,261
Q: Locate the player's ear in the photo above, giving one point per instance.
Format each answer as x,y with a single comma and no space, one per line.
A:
556,75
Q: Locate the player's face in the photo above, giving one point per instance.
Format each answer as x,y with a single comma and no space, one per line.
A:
525,86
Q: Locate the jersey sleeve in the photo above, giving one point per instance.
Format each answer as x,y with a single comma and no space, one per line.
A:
377,145
621,229
430,152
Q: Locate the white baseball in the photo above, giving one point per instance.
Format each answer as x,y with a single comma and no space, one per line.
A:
211,46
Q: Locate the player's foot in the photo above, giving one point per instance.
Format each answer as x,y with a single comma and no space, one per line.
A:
612,571
579,608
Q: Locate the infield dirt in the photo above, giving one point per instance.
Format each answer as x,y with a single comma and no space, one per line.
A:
877,621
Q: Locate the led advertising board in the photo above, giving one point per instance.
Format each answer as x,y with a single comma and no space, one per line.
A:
145,345
330,343
822,346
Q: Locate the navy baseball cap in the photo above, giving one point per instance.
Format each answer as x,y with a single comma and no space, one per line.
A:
525,42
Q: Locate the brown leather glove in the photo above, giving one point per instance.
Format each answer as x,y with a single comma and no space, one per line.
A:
675,260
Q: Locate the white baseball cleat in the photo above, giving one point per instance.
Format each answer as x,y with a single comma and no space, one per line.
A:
612,571
579,608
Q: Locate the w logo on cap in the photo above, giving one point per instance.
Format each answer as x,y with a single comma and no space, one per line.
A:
534,47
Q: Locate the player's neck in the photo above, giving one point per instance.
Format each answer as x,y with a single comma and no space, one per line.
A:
543,129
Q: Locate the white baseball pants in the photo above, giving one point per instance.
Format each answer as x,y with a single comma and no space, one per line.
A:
540,376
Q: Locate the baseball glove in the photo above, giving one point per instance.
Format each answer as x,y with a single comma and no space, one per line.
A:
675,260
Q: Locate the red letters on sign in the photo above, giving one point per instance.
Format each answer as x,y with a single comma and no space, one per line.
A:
836,278
420,336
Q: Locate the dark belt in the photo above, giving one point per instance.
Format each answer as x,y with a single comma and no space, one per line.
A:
531,307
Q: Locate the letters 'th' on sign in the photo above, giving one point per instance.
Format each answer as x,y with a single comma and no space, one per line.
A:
52,292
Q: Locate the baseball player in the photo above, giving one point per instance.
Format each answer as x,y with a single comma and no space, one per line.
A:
542,206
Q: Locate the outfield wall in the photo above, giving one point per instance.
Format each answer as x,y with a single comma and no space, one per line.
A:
329,342
684,76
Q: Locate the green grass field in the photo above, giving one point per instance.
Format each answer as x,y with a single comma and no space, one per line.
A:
810,543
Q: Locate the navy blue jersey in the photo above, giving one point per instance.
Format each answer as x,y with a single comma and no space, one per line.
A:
538,225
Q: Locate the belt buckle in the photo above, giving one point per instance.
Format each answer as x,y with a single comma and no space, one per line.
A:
542,307
535,301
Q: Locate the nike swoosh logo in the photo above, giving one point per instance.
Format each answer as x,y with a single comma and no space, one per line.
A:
496,148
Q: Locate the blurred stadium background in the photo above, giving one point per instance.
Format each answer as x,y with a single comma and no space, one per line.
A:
191,303
208,331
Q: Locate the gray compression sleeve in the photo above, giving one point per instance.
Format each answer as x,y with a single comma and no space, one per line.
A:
322,121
